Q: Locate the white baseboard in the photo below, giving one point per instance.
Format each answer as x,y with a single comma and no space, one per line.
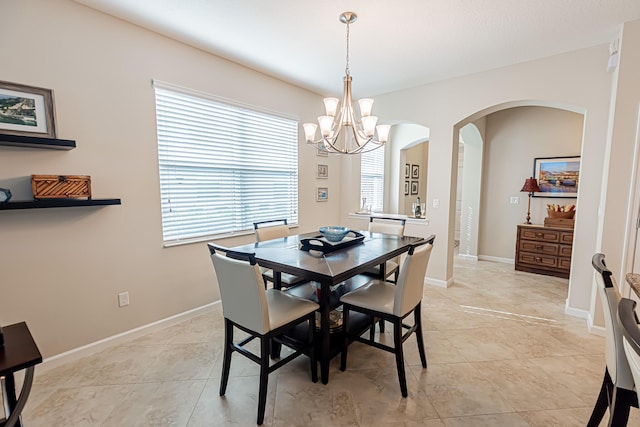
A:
94,347
596,330
439,283
496,259
584,314
469,257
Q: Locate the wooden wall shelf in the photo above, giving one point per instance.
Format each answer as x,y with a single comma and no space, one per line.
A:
58,203
37,142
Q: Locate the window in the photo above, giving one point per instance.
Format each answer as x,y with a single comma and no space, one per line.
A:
222,166
372,178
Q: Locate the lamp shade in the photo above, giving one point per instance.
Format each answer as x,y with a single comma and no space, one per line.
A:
530,185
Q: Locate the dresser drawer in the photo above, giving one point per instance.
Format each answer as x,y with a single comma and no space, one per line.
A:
540,235
540,247
566,237
564,263
538,260
565,250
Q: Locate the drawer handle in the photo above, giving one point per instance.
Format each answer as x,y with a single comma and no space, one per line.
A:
538,234
538,247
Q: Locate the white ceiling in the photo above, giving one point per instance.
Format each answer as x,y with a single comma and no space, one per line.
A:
394,44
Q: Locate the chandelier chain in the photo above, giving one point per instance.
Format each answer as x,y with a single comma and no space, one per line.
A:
346,70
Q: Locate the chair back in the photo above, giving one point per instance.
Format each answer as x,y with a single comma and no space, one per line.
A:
617,364
272,229
631,335
411,279
244,300
389,226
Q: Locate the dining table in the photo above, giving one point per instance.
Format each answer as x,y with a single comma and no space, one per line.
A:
329,273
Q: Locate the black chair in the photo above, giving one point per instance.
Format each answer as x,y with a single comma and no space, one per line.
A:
263,314
392,302
269,230
618,387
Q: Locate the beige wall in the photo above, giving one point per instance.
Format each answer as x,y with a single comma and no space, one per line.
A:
63,268
513,138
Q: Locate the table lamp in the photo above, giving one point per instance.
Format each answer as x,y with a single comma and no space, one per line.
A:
530,186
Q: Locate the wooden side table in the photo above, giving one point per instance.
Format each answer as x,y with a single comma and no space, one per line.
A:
19,352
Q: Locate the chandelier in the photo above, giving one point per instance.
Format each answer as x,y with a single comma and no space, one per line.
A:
340,130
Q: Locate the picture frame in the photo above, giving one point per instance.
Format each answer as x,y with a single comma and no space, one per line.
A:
321,151
322,171
322,195
415,171
26,110
414,187
406,188
407,168
557,176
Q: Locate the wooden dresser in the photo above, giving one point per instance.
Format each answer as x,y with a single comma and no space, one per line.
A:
544,250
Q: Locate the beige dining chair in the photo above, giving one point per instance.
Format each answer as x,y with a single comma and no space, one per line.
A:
269,230
391,302
618,387
263,314
386,225
630,336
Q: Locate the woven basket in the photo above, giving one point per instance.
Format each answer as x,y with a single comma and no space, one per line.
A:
554,214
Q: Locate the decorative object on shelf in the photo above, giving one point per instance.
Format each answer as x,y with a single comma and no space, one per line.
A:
415,171
414,188
418,208
557,176
406,188
322,172
560,216
341,131
26,110
322,194
5,195
334,233
364,208
530,186
61,186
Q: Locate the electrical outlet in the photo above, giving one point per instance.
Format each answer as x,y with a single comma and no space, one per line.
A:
515,200
123,299
436,203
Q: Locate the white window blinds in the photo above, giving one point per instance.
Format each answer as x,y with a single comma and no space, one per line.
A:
222,167
372,178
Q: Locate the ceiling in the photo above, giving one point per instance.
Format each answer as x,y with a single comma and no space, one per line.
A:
394,44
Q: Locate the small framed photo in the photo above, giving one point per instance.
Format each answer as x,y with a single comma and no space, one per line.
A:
407,168
557,176
321,151
26,110
414,187
406,188
415,171
322,172
323,194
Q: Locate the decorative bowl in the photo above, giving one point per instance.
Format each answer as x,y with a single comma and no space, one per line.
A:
334,233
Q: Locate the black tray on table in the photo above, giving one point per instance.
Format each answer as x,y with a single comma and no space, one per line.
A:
320,243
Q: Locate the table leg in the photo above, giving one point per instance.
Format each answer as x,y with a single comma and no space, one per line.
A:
277,284
16,406
325,341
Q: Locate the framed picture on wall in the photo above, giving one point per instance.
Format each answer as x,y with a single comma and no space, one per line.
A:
406,188
557,176
26,110
323,194
415,171
414,187
322,172
321,151
407,172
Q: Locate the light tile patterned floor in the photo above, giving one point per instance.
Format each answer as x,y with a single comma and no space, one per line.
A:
501,352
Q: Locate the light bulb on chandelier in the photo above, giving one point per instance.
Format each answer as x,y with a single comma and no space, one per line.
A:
340,130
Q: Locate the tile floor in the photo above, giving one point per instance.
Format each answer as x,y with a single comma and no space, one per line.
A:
501,352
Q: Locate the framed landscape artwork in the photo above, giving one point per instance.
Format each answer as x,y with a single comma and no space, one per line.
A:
321,151
26,110
557,176
323,194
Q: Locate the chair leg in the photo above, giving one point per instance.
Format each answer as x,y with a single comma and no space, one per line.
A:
228,350
602,403
620,404
312,349
381,323
418,322
345,341
397,342
264,377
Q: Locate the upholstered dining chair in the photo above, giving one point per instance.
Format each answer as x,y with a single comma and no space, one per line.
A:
386,225
383,300
263,314
618,388
631,336
269,230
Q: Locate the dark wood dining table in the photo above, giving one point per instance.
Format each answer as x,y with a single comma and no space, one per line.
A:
337,269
